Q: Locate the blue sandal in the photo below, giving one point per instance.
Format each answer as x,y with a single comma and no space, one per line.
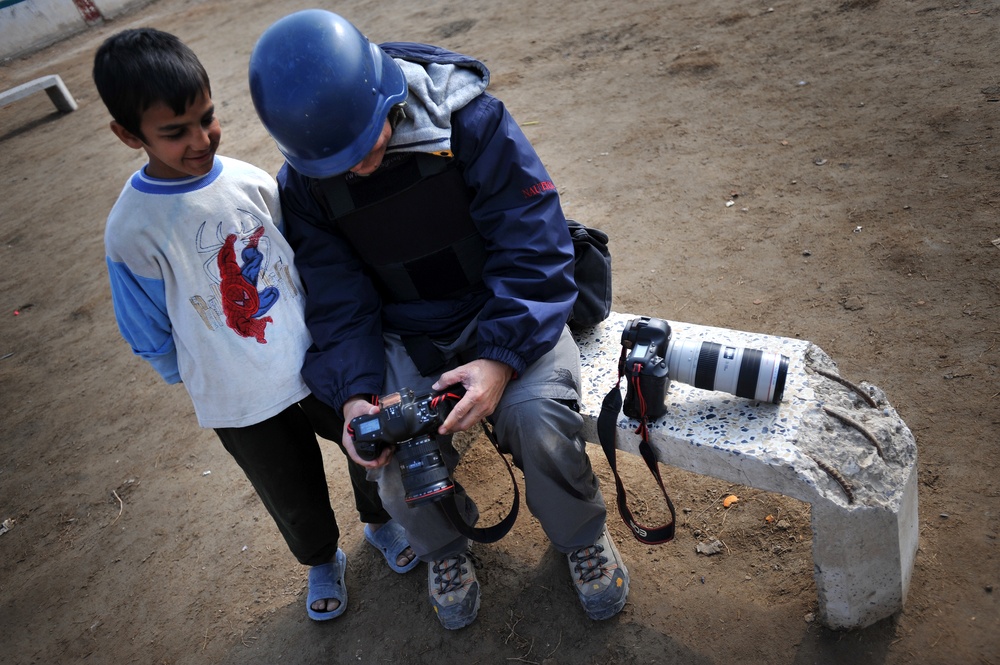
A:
327,581
391,540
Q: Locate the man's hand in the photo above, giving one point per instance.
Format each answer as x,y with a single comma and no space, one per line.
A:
484,382
354,407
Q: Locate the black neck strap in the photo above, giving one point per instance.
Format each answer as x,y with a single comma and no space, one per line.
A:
607,432
489,534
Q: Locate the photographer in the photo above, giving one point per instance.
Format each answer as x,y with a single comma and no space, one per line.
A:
434,252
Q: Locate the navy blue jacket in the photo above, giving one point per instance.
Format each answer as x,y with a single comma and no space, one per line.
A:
528,289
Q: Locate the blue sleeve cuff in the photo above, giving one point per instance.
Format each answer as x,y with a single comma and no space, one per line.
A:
141,311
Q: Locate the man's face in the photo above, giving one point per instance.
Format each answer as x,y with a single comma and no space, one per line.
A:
178,146
373,159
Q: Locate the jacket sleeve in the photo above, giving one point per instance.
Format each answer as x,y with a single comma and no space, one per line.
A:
516,207
342,307
141,311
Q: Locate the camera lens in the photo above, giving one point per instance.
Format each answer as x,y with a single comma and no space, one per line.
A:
425,476
749,373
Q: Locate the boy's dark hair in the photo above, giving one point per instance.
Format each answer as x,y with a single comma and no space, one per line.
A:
134,69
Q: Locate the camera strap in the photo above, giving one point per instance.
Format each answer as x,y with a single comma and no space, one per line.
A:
607,432
489,534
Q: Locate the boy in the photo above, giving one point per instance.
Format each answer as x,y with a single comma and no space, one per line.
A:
204,288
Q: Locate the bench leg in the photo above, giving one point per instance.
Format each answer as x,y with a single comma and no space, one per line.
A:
863,557
59,94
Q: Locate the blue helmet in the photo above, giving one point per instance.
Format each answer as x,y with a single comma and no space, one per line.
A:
322,90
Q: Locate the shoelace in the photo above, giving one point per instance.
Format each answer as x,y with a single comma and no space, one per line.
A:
589,562
449,573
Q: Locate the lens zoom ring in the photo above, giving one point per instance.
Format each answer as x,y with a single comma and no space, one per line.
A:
708,359
746,384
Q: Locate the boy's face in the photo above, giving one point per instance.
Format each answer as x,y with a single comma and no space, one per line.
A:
178,146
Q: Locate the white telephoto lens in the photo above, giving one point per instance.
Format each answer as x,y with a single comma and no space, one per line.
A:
749,373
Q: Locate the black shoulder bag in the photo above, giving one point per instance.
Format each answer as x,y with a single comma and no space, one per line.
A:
592,272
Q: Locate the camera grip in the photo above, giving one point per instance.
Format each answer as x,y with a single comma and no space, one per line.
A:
650,393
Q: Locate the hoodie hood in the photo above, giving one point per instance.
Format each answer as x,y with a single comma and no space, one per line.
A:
439,82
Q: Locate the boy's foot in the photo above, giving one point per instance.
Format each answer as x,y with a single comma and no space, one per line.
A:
600,578
454,590
390,540
327,597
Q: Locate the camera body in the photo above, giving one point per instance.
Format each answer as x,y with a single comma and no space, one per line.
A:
646,367
409,423
402,416
655,357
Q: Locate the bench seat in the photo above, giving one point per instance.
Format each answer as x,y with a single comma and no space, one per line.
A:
53,86
837,445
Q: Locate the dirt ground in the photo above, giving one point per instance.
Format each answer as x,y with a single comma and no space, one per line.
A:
857,140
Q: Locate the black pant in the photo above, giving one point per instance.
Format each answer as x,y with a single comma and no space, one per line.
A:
282,459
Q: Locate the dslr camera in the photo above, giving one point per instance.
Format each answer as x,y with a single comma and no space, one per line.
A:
409,423
654,357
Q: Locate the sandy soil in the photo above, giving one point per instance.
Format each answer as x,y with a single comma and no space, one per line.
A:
858,142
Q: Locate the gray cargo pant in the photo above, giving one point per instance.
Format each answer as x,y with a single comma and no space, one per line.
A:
537,424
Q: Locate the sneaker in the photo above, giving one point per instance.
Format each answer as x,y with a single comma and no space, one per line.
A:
600,578
454,590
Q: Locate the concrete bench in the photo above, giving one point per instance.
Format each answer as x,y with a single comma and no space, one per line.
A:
53,86
838,446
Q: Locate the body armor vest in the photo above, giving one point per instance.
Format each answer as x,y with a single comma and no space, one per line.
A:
410,224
